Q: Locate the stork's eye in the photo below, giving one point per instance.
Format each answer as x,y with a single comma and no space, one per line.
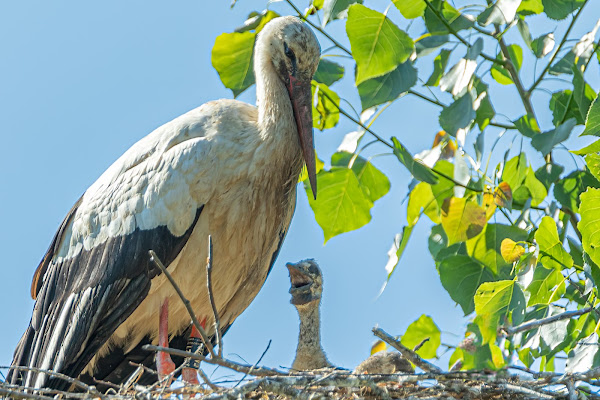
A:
288,52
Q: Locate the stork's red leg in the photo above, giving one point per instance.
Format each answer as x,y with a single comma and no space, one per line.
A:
189,373
164,364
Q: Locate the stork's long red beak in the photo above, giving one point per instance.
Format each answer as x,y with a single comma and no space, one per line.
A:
301,98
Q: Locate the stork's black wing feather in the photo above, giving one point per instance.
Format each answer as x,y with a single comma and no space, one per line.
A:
84,298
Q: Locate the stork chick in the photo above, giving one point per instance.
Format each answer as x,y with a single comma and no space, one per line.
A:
306,288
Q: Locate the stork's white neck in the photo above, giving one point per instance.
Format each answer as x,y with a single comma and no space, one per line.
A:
275,113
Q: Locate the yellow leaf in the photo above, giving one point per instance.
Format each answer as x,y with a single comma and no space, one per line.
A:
378,346
489,205
510,250
503,195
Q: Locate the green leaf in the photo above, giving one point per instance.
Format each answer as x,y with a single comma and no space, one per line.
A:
485,113
563,107
555,333
487,247
589,226
499,73
529,7
445,187
593,163
421,199
537,190
527,125
232,57
325,112
560,9
336,9
546,141
552,251
456,20
515,171
461,276
373,182
583,94
524,31
388,87
592,123
564,65
410,8
342,204
437,240
547,286
458,115
422,329
439,66
328,72
495,302
549,174
378,45
581,358
419,171
462,219
568,189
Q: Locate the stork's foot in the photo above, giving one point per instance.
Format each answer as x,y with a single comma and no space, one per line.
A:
164,365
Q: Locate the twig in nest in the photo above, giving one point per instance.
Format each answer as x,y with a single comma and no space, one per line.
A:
242,368
255,364
64,377
22,395
545,321
211,297
418,346
206,380
186,302
406,352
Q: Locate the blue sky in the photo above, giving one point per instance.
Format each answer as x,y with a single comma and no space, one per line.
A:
81,82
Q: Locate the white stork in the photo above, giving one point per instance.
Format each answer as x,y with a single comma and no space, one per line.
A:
227,169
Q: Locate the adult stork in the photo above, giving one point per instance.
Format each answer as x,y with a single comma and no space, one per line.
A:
227,169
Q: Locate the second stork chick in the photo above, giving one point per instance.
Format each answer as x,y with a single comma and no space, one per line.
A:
306,289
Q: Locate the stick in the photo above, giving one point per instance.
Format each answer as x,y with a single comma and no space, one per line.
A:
211,297
406,352
186,302
64,377
544,321
242,368
255,364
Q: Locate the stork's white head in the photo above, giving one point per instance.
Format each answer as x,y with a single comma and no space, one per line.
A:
293,50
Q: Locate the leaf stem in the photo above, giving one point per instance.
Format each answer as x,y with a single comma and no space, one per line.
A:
562,43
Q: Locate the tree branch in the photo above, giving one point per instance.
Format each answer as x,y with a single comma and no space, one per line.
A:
545,321
406,352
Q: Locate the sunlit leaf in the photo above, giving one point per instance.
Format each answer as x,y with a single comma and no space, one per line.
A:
420,171
483,106
388,87
439,66
420,330
326,111
581,358
421,200
529,7
501,74
515,171
395,252
592,123
589,226
547,286
543,45
256,21
232,57
591,148
342,204
527,125
593,163
378,45
461,276
511,251
372,181
496,302
462,219
501,12
410,8
583,94
336,9
328,72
